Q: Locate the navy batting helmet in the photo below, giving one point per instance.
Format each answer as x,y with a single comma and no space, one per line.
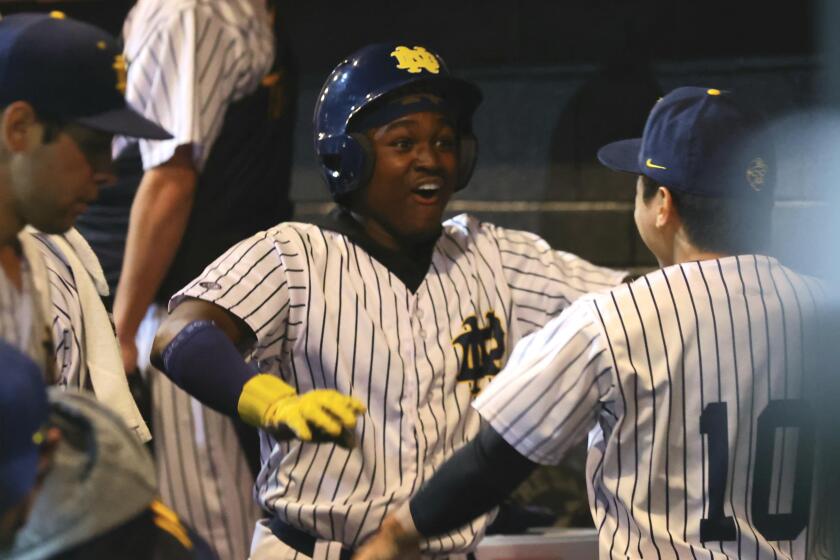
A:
369,75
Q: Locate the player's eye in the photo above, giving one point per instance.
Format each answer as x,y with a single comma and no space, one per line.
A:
402,144
95,145
445,143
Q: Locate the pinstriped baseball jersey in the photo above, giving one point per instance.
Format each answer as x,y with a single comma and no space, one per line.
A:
328,314
188,60
19,322
693,381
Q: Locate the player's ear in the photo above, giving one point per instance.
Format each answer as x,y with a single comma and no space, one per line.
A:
666,212
17,125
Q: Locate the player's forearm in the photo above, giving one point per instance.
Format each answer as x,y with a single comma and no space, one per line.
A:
203,361
158,220
473,481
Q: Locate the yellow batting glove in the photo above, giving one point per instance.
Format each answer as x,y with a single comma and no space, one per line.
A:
267,402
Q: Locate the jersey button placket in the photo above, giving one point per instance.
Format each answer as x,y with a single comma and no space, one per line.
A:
411,429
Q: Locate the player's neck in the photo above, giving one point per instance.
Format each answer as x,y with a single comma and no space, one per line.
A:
388,239
10,222
682,251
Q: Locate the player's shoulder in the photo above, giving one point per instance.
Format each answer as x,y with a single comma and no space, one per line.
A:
812,288
51,257
469,227
151,15
462,225
301,230
311,237
167,18
291,228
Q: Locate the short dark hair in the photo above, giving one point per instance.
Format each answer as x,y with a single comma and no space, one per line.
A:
52,124
720,225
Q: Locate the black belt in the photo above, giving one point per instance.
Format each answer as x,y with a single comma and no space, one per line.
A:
299,540
304,542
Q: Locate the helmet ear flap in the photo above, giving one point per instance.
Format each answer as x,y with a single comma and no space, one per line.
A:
467,157
346,161
368,160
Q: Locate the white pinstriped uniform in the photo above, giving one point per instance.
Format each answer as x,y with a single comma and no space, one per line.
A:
692,380
188,61
327,314
20,316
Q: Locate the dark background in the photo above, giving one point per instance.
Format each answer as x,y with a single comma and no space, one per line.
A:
481,33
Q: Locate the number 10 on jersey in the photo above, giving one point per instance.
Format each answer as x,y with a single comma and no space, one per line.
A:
777,415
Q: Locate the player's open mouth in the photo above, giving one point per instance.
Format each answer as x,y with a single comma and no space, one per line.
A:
427,193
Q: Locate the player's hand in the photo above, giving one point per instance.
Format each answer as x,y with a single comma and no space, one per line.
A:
391,542
320,415
321,410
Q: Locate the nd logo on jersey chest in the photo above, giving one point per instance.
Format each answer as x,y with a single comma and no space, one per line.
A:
482,349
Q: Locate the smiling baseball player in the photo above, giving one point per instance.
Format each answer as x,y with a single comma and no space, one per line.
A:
386,304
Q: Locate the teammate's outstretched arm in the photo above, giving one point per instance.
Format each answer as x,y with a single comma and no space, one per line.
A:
198,347
473,481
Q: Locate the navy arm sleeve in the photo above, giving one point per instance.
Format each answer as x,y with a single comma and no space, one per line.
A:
474,480
204,362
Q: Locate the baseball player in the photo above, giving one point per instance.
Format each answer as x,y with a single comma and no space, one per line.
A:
692,381
385,304
61,93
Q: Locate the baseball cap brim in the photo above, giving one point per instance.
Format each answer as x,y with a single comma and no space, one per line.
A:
17,478
622,155
125,122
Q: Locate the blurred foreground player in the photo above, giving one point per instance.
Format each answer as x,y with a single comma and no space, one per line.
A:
692,382
74,482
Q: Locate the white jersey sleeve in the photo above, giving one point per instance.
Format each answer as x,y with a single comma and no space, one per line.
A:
545,281
250,281
549,394
186,62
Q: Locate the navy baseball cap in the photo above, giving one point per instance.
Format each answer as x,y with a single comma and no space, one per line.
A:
700,141
23,415
70,70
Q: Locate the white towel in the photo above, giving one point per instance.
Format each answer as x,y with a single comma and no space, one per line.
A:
101,349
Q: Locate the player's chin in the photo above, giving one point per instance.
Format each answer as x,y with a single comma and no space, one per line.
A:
422,231
54,224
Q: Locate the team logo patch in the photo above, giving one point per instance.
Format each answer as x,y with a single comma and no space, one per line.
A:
121,69
756,173
416,60
483,349
210,285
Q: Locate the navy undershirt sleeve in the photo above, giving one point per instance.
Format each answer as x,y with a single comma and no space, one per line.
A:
474,480
204,362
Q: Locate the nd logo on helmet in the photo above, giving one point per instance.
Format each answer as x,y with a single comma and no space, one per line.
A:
416,60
